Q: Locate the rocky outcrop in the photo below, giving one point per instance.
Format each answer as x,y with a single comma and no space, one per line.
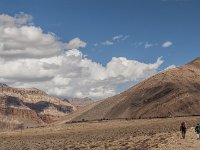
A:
31,106
14,112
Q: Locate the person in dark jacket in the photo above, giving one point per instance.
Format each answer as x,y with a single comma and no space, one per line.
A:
183,129
197,130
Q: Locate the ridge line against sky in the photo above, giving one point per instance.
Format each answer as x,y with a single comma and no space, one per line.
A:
85,52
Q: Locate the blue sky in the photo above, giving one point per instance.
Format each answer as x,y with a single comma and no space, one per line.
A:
140,30
96,21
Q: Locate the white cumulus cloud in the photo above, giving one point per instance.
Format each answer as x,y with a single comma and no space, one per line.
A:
170,67
17,20
117,37
107,43
120,37
20,39
148,45
31,58
71,74
167,44
75,43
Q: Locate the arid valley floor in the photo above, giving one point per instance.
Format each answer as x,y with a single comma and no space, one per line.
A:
142,134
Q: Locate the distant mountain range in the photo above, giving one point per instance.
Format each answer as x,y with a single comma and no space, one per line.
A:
3,85
80,102
170,93
30,106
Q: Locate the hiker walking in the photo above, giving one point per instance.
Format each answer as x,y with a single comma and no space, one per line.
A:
197,130
183,129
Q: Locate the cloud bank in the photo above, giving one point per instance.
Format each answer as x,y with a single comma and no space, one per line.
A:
31,58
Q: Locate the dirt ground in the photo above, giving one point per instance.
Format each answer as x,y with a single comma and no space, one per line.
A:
155,134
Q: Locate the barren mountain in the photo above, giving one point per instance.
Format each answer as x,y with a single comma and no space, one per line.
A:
3,85
80,102
30,106
173,92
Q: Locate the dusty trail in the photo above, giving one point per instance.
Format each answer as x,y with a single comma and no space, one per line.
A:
175,142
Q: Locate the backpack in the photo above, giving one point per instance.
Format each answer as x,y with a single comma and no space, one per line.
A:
183,125
197,128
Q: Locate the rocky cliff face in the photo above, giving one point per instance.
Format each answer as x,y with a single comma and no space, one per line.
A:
30,106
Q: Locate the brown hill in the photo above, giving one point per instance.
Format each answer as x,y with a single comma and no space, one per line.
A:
31,106
174,92
80,102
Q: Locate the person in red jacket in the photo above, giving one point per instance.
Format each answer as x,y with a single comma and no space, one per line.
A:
183,129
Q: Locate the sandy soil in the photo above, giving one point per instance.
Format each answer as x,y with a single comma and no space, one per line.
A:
175,142
155,134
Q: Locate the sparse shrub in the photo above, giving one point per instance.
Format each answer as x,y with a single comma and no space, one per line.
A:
74,121
84,120
100,120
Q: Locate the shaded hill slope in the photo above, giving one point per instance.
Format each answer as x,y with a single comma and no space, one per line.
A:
77,113
174,92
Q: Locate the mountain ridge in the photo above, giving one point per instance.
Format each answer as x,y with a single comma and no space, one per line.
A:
31,106
170,93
